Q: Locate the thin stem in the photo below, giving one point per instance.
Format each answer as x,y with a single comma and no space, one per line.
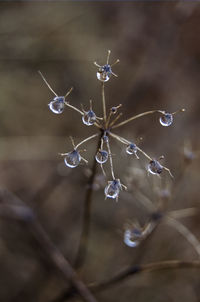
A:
177,214
115,120
146,155
110,158
87,139
104,103
183,230
119,138
134,117
68,92
82,248
108,56
74,108
48,85
136,269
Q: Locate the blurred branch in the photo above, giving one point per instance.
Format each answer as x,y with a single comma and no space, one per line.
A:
86,215
13,208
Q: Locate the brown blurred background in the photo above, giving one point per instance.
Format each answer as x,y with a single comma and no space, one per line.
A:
158,46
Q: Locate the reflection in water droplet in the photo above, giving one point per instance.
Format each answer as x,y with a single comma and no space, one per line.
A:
132,149
154,167
104,73
132,237
89,118
57,105
101,156
112,189
166,119
72,159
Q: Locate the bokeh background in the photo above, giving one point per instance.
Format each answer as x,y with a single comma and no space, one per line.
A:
159,50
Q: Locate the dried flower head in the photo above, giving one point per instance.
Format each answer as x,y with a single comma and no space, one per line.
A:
106,125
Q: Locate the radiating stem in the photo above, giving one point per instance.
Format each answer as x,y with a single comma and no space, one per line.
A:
87,139
74,108
134,117
183,230
110,158
104,103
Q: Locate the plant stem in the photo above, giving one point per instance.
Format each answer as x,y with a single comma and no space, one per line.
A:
104,103
82,249
134,117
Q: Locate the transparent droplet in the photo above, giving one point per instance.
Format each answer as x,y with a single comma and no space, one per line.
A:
104,73
132,237
112,189
154,167
72,159
57,105
89,118
166,119
101,156
132,149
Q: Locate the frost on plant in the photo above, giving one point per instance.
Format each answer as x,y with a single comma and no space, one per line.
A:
106,125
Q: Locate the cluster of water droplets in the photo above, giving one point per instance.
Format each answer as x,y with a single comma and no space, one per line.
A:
101,156
57,104
72,159
166,119
132,149
154,167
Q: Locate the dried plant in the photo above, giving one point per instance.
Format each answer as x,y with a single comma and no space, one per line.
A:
106,124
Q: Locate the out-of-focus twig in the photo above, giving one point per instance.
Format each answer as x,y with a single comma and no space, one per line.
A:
13,208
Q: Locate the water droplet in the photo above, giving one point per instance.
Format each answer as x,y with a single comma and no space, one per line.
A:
154,167
112,189
72,159
89,118
57,105
166,119
132,149
132,237
101,156
104,73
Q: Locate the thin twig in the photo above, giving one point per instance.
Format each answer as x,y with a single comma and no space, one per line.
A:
13,208
104,103
150,267
134,117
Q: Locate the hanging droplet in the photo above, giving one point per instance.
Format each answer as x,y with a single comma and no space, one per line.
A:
154,167
72,159
57,105
166,119
132,149
132,237
112,189
101,156
104,73
89,118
